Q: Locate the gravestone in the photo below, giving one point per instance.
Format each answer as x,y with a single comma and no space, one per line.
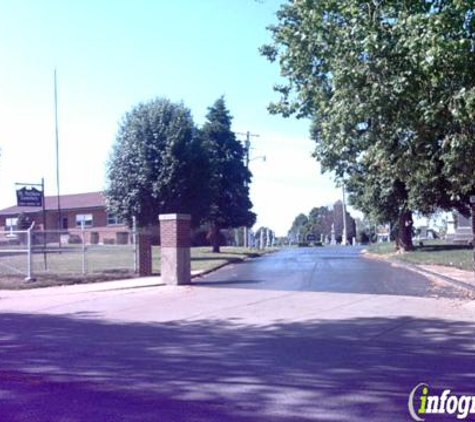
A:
463,233
333,239
423,232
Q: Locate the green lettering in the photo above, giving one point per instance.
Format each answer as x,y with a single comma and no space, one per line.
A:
422,407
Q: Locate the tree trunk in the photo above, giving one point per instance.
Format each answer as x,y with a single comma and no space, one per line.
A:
404,232
214,238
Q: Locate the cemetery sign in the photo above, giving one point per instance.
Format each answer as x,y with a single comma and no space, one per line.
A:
29,197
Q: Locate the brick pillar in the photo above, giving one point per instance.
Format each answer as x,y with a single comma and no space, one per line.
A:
175,248
144,241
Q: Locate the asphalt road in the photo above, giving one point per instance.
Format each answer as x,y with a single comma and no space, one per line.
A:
329,269
302,335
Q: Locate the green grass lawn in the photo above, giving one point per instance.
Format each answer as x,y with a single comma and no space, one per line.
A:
434,252
103,263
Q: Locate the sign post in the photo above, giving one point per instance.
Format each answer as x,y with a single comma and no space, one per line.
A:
29,196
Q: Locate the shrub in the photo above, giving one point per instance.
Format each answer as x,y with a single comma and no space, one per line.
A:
74,239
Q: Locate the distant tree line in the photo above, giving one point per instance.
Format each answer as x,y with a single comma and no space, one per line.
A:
319,224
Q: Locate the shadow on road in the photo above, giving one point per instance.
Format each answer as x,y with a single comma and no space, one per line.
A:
65,368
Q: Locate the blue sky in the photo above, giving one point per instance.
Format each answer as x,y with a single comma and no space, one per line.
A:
111,55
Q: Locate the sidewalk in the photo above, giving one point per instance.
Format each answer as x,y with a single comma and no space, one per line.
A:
451,273
461,278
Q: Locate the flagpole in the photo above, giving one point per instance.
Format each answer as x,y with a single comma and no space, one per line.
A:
57,148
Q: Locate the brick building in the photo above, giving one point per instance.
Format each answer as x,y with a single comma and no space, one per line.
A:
88,209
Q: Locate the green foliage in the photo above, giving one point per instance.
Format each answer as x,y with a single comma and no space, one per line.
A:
157,165
230,205
23,222
300,221
390,89
319,223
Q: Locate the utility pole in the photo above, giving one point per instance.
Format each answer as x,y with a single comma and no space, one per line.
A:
345,232
247,150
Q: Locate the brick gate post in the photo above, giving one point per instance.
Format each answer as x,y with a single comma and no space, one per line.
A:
175,248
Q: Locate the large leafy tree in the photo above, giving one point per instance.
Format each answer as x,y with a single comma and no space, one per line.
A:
230,205
390,88
157,165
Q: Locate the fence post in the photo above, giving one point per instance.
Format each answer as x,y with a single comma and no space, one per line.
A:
134,241
29,276
83,249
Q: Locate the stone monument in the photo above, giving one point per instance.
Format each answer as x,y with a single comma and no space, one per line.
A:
333,239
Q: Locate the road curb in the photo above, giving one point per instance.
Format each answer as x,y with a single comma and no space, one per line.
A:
444,277
418,269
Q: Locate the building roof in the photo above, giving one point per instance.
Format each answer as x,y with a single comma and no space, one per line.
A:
67,202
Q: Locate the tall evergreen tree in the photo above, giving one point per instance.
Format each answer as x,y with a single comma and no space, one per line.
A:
230,205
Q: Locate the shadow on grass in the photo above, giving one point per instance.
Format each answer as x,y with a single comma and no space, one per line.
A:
58,279
241,254
218,258
357,369
442,248
247,254
224,282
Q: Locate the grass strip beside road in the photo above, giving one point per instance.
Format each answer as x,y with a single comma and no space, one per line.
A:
203,259
433,252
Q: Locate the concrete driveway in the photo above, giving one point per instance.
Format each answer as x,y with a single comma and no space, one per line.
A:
138,351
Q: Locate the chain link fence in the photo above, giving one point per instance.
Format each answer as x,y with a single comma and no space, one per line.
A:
14,254
68,254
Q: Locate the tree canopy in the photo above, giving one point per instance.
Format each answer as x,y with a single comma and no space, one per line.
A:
157,165
390,89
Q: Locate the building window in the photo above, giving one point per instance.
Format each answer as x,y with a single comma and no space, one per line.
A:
85,219
11,224
113,220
